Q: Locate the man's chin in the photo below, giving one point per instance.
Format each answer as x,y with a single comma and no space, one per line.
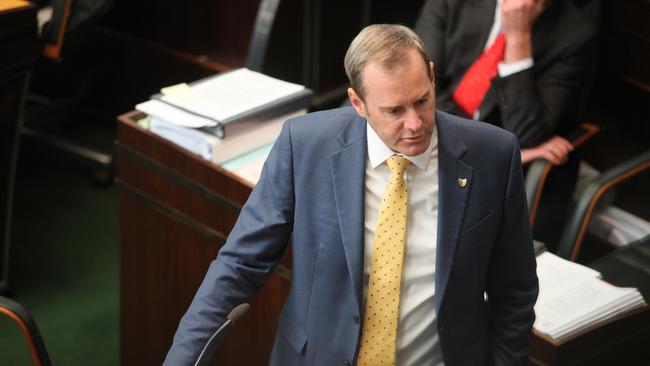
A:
414,149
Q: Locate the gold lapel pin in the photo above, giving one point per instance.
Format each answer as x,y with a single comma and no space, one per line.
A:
462,182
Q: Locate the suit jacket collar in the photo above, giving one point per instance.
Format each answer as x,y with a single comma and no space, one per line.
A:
481,13
452,198
348,178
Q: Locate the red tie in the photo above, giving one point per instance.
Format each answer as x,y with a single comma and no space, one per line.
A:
475,83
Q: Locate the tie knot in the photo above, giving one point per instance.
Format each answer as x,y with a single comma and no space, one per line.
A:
397,165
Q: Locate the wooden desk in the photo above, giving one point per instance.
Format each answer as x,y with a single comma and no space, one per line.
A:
176,210
19,49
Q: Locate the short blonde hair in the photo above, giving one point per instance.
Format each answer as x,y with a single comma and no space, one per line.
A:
386,44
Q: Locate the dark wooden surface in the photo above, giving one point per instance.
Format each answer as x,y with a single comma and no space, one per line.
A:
175,210
19,49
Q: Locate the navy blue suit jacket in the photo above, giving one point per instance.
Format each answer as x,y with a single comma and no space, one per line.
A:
312,191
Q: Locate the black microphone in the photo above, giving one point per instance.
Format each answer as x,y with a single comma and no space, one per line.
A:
218,336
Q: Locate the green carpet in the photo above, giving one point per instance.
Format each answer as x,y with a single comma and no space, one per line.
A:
64,261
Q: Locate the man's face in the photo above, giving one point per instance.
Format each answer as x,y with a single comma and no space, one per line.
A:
399,104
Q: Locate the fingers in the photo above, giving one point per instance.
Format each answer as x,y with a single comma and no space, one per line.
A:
556,150
551,157
518,16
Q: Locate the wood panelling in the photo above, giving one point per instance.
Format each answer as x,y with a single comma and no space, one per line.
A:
175,211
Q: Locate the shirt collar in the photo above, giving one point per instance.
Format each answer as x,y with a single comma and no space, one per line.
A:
378,152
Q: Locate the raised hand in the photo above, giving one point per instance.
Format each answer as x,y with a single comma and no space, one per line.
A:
517,20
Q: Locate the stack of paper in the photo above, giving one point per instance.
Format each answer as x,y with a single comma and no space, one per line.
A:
572,297
226,96
182,131
227,115
190,139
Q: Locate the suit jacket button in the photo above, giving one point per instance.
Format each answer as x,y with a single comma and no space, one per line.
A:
356,318
347,363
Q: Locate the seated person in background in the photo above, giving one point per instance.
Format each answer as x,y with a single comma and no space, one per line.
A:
521,65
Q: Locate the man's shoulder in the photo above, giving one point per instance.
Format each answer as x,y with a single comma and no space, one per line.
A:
475,130
323,124
340,115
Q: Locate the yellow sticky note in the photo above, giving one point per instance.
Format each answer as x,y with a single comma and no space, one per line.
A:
13,4
178,90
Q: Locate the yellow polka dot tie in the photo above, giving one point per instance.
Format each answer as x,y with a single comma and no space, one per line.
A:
379,333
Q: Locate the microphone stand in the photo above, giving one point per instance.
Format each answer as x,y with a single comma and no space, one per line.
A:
215,340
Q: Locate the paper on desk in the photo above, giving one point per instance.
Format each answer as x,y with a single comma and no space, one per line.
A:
626,302
573,297
230,94
588,303
187,138
556,275
180,90
173,115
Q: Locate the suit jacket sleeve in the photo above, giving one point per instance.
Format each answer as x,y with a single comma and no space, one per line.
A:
536,104
512,285
249,256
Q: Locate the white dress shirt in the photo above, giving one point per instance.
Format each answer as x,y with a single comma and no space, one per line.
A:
417,333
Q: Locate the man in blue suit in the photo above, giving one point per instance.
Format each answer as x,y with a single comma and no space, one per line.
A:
468,282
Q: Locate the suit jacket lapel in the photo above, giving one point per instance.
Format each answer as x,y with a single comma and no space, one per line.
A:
480,14
452,199
486,19
488,104
348,177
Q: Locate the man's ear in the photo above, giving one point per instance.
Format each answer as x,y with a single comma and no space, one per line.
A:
357,103
433,76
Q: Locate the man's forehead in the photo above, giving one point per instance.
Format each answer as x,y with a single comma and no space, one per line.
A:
404,80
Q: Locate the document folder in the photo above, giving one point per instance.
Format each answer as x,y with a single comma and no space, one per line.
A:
235,100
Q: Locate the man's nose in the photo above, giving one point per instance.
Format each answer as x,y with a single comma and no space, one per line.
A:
413,121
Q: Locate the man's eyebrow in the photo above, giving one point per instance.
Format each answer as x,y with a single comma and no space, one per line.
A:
390,108
424,95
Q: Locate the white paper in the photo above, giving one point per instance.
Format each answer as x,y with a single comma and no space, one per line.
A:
193,140
233,93
572,297
589,303
173,115
556,274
